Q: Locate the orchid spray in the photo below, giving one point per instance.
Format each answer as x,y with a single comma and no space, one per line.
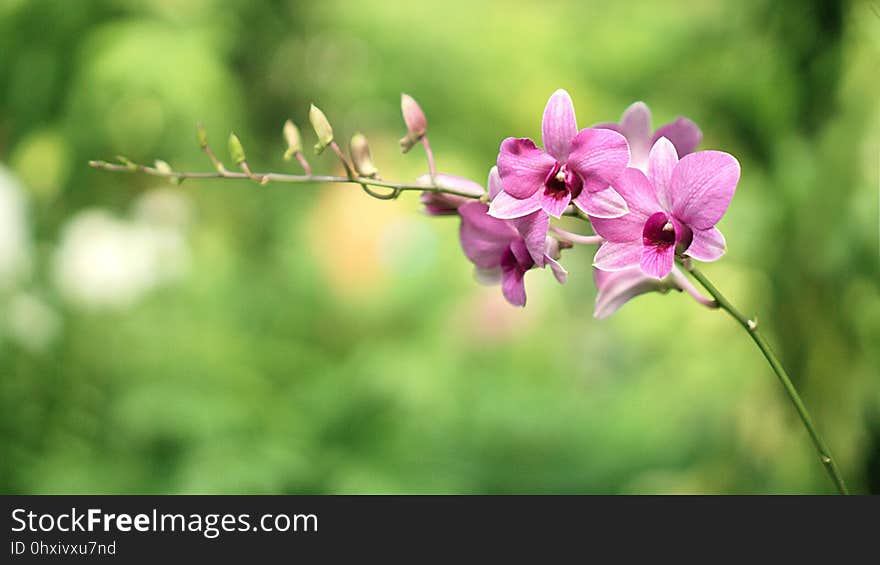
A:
652,200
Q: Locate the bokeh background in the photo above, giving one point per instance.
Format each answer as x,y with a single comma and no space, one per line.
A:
223,337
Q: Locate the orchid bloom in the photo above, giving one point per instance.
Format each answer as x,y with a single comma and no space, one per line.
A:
499,252
442,204
675,206
635,125
576,167
616,288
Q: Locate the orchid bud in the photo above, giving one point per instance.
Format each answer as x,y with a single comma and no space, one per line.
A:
236,150
322,128
416,124
127,162
202,136
294,141
360,154
163,167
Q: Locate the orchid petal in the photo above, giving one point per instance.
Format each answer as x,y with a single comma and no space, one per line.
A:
661,162
616,256
523,167
533,229
452,182
494,183
619,287
483,238
683,133
558,270
513,287
657,260
505,206
605,203
555,204
559,125
598,156
707,245
701,188
635,125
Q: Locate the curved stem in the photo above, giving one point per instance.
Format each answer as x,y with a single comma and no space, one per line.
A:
276,177
751,326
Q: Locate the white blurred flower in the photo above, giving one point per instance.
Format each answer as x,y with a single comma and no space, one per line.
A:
14,232
107,262
30,322
163,207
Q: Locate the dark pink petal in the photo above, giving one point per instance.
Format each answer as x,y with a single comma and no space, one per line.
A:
505,206
559,125
442,204
513,287
555,203
683,133
702,185
598,156
521,254
618,287
494,182
484,239
606,203
616,256
533,229
657,260
706,245
523,167
638,192
661,162
635,125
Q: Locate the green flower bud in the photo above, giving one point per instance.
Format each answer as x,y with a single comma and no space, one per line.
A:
360,154
202,136
236,150
294,141
322,128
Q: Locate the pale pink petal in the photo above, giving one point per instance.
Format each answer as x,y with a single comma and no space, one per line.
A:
707,245
558,270
657,260
661,162
638,192
523,167
683,133
494,182
635,125
437,204
702,185
616,256
533,229
628,227
505,206
559,125
598,156
483,238
452,182
605,203
555,204
513,287
618,287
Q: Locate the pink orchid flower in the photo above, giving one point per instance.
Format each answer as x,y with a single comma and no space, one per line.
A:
616,288
635,125
576,167
499,252
675,206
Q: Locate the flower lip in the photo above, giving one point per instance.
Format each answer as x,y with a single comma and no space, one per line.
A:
659,231
562,181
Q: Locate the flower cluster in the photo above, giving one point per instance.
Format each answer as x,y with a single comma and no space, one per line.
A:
650,198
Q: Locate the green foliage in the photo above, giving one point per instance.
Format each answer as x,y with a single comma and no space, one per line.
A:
321,341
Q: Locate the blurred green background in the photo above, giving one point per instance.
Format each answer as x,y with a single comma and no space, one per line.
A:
223,337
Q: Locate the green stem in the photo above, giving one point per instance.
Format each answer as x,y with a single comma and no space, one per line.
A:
751,326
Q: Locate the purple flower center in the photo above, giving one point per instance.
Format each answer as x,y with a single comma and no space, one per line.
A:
659,231
562,181
516,257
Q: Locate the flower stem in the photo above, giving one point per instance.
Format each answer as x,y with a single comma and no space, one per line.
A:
277,177
751,326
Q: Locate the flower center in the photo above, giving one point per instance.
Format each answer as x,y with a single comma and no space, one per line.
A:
561,182
659,231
